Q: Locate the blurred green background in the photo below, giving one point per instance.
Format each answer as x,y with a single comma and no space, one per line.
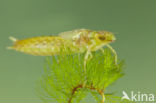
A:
133,22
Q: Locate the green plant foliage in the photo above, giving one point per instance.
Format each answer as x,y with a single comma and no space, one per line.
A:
64,79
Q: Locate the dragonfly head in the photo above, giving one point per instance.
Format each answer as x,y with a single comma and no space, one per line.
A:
104,37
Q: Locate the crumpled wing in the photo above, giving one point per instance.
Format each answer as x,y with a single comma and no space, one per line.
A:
67,35
70,35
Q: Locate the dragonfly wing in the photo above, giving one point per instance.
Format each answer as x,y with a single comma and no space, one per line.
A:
73,34
79,37
68,34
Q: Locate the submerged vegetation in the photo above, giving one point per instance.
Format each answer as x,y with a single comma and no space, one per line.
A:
64,79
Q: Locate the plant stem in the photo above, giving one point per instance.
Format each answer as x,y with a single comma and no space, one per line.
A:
89,87
103,96
73,92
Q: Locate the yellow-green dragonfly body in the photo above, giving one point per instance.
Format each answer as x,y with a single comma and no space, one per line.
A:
76,41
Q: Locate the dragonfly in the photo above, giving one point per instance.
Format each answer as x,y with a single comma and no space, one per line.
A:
77,41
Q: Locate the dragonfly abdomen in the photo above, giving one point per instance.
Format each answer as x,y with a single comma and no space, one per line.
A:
45,46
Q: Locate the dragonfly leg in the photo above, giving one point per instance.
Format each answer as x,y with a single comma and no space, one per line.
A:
114,52
88,56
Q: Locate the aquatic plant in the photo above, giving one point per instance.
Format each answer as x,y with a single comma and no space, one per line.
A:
65,81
